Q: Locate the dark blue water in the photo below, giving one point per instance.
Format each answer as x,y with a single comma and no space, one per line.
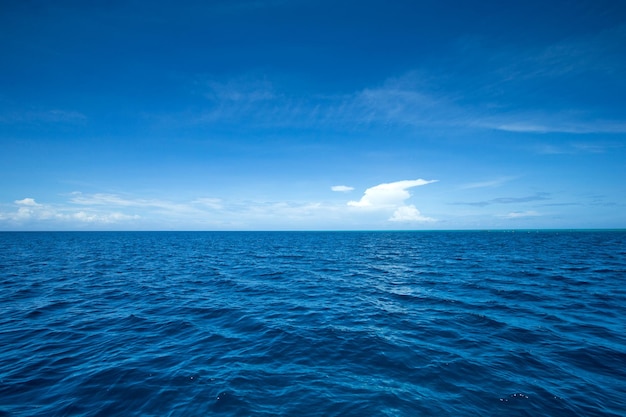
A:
313,324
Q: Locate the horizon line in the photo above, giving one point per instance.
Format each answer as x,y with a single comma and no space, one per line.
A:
569,229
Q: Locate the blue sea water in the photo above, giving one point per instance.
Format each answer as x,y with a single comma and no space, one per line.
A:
313,323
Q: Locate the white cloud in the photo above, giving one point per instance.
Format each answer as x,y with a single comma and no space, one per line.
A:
391,196
105,199
28,210
577,148
100,211
27,202
113,200
112,211
89,217
554,124
388,195
520,214
213,203
341,188
409,214
487,184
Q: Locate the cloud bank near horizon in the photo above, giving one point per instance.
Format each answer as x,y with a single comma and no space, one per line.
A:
385,202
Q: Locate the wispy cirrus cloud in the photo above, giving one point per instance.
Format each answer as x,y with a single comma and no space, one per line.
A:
545,88
540,196
551,123
576,148
497,182
258,100
404,101
198,206
100,199
598,52
418,99
409,100
524,89
512,89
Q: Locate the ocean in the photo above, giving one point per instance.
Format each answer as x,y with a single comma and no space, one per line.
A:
466,323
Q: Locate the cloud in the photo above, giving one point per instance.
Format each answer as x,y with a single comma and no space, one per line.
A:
240,91
388,195
487,184
415,99
260,102
526,88
577,148
508,200
105,199
106,218
29,211
552,123
106,211
113,200
409,214
519,89
341,188
112,211
598,53
213,203
391,196
27,202
520,214
400,101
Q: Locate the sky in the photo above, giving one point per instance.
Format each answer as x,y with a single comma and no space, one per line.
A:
312,115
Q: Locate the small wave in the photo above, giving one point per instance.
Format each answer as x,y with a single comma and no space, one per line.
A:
312,324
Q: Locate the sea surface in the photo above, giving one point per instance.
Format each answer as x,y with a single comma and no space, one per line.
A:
524,323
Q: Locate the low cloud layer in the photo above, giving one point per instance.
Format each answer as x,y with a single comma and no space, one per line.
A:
409,214
29,211
380,204
341,188
520,214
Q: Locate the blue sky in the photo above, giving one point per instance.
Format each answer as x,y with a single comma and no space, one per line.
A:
308,115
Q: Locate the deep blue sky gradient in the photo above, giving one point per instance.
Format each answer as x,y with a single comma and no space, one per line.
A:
243,114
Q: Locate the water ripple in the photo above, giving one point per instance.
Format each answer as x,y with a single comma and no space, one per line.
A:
313,324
